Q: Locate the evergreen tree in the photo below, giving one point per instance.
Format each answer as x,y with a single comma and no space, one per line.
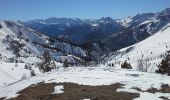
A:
65,63
164,66
46,64
32,72
126,65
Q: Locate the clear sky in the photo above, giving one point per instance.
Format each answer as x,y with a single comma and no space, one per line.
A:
36,9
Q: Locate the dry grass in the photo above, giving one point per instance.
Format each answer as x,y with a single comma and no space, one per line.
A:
165,88
74,92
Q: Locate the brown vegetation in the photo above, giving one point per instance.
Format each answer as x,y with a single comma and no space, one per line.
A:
74,92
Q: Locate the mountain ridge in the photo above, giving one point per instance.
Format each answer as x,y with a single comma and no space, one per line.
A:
104,30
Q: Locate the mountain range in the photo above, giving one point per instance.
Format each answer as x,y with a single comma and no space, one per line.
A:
78,40
106,30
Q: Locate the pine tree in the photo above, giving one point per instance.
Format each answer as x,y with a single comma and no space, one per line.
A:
32,72
164,66
46,64
65,63
126,65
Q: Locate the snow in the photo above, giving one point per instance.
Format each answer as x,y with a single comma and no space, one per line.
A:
58,89
150,49
145,22
94,24
91,76
11,72
31,40
151,96
13,31
125,22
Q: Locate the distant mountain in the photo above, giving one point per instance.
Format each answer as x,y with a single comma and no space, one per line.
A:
76,30
114,34
139,18
101,36
53,26
138,28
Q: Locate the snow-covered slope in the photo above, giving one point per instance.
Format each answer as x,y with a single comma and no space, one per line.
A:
10,72
13,72
95,76
151,49
20,45
16,40
21,42
125,21
138,28
139,18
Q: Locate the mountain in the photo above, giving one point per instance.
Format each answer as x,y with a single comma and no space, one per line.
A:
81,41
91,32
150,50
137,19
113,34
76,30
21,43
138,28
53,26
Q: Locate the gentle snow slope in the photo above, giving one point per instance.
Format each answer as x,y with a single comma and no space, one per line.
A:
93,76
151,49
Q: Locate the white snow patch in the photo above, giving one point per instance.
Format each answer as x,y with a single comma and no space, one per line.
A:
125,22
151,96
59,89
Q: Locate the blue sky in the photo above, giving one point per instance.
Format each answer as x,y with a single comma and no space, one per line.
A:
33,9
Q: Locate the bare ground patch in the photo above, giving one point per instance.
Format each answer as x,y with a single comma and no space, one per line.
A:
2,98
73,91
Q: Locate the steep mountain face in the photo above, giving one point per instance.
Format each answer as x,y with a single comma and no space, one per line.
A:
138,28
139,18
21,43
151,51
16,40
